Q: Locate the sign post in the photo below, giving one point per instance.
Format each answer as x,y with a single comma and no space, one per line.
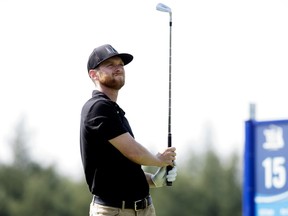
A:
265,191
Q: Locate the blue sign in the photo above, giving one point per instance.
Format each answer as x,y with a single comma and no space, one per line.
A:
266,169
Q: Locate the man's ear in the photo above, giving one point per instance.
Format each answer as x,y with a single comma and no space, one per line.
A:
93,74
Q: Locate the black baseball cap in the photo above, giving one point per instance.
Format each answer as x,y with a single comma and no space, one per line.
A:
103,53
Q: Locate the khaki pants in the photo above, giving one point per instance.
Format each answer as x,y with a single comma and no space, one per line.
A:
100,210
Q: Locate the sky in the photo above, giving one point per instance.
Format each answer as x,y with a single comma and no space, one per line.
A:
225,55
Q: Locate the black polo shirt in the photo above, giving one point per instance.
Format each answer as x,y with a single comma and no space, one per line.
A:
108,173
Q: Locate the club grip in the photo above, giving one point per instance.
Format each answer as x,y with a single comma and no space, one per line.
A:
168,183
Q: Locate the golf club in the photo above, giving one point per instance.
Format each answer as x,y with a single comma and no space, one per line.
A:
163,8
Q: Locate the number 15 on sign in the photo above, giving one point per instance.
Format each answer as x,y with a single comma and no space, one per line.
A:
274,172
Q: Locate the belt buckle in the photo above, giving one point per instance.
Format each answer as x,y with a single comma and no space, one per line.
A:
135,204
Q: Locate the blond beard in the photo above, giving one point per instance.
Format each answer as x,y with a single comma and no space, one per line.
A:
112,82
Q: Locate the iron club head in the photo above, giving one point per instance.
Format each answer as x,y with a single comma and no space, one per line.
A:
163,8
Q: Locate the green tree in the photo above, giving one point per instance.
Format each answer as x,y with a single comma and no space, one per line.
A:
204,187
28,189
20,144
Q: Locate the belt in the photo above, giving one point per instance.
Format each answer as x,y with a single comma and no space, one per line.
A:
136,205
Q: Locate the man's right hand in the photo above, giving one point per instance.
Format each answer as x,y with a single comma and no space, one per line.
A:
168,156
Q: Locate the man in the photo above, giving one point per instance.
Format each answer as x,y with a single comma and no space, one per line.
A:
111,157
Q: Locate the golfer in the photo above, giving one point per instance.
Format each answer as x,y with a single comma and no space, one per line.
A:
111,157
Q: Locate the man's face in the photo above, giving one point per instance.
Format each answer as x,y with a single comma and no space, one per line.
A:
111,73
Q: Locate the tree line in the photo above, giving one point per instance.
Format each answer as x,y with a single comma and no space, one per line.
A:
205,186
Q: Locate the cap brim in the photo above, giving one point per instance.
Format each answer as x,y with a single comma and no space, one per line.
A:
126,58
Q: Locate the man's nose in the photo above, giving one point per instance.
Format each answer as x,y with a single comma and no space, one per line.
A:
118,67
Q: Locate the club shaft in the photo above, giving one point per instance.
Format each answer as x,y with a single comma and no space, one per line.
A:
170,93
170,76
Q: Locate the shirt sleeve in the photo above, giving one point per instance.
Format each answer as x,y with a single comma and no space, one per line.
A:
105,120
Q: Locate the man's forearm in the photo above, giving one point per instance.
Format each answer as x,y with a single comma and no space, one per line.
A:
134,151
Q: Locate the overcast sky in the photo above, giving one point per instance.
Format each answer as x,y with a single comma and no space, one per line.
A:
225,55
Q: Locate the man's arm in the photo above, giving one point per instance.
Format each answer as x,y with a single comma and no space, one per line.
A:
137,153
